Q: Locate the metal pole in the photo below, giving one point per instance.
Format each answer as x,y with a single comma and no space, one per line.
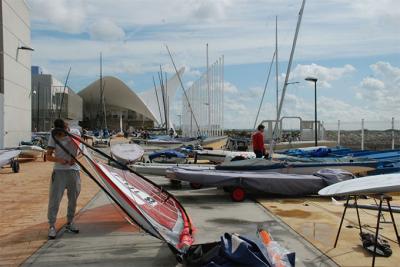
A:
392,133
265,89
222,98
183,88
208,92
38,107
288,69
338,135
276,65
62,96
158,102
362,134
315,114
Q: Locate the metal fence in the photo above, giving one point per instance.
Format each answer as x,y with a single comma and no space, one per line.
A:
364,134
203,113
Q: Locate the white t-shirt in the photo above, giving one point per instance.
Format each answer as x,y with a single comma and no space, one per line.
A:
59,152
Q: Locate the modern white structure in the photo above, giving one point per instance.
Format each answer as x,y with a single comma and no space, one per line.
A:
15,73
124,108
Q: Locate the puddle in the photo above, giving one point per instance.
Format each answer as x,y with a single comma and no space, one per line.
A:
295,213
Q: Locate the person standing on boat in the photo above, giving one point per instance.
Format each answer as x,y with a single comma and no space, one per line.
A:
258,141
65,176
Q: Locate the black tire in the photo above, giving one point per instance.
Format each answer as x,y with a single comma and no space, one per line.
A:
15,166
176,184
44,157
195,185
227,189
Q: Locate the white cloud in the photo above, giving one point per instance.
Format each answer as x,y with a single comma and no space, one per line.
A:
381,92
230,88
209,10
106,30
61,15
325,75
372,84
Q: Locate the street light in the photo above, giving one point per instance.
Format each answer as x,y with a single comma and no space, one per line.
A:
314,80
26,48
288,83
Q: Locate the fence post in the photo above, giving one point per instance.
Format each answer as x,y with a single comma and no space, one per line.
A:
392,133
338,132
362,134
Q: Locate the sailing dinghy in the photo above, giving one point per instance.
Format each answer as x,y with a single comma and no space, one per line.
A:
127,153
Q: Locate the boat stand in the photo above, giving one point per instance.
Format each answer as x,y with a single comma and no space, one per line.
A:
381,197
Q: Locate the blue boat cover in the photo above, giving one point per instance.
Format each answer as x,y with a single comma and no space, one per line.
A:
167,154
236,250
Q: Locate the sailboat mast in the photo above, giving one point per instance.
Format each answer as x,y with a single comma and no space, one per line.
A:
62,96
208,92
276,65
183,89
102,102
288,70
158,101
265,89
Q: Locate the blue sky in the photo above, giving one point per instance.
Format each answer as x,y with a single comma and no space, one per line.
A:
353,47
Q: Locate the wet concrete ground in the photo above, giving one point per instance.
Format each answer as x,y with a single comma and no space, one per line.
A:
107,239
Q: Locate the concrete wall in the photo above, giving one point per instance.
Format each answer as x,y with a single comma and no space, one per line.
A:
16,73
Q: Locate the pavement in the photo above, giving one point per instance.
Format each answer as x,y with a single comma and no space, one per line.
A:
108,239
23,212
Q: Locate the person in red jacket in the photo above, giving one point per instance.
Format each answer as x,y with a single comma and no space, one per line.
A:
258,141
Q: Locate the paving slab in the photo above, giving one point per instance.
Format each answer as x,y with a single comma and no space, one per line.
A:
107,238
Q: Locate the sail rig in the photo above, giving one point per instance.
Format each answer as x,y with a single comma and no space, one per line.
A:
147,204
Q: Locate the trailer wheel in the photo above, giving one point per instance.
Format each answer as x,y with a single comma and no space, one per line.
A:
176,183
15,166
195,185
227,189
44,157
238,194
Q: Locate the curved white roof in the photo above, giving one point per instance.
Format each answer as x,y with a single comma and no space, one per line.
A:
150,97
116,93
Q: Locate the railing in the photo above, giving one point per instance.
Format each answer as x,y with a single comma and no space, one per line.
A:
364,134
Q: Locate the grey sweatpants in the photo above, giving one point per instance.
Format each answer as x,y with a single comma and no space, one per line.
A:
61,180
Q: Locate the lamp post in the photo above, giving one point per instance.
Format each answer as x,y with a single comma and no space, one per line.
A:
314,80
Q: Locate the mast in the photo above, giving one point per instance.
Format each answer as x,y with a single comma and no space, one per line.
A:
102,102
184,91
288,72
164,98
158,102
276,64
265,89
208,93
167,104
62,96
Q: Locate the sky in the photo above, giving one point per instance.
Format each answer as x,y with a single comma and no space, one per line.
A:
352,47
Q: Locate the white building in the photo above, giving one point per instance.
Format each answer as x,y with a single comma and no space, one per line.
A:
15,73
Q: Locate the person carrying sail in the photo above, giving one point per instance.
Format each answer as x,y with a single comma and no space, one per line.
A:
65,176
258,141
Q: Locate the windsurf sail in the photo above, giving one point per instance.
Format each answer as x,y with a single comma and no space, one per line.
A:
153,209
